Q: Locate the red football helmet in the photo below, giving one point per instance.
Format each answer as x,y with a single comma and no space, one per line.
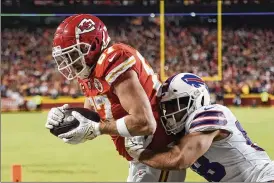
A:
78,43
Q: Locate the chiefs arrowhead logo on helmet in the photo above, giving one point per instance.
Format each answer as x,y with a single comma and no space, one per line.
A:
78,43
86,25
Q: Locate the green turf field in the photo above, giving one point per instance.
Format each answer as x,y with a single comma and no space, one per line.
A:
43,157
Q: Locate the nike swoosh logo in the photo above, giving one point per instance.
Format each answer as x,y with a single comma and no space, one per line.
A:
207,108
111,59
89,134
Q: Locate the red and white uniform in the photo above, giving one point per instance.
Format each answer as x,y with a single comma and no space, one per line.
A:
110,67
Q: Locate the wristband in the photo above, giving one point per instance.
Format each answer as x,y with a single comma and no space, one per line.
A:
97,129
122,128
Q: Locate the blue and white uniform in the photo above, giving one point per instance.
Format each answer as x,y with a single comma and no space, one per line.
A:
233,159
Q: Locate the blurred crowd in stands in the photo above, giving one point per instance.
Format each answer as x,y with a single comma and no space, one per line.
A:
27,66
127,2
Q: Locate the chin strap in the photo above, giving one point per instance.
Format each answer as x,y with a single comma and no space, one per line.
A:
85,73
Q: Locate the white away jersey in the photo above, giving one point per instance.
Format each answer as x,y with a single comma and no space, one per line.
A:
233,159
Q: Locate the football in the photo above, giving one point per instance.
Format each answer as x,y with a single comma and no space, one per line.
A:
69,122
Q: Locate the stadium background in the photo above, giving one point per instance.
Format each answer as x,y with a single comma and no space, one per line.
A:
232,51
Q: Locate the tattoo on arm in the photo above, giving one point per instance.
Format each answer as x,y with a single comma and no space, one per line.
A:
109,127
134,127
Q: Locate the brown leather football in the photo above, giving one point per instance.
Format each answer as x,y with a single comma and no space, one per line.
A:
69,122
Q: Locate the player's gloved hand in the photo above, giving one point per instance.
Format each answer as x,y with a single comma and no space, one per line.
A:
136,145
55,116
87,130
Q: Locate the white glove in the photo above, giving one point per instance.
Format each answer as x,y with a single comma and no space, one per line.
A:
87,130
136,145
56,116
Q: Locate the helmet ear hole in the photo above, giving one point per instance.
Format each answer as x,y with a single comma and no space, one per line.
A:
84,49
97,40
93,46
191,103
202,101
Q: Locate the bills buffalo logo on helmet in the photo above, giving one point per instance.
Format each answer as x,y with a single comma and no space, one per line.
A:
193,80
86,25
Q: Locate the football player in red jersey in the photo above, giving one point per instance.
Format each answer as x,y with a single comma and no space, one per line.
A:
118,84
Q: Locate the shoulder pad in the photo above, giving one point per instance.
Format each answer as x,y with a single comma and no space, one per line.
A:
112,63
207,118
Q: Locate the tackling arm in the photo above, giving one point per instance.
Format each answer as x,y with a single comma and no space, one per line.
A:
181,155
140,120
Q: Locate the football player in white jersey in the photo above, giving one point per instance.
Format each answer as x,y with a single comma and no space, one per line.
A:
212,143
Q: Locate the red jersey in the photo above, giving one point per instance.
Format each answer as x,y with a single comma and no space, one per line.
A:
113,62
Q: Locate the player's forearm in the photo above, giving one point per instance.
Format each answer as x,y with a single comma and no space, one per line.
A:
167,160
181,155
135,126
108,127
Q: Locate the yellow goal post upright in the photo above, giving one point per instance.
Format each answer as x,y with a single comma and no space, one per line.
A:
219,43
162,41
